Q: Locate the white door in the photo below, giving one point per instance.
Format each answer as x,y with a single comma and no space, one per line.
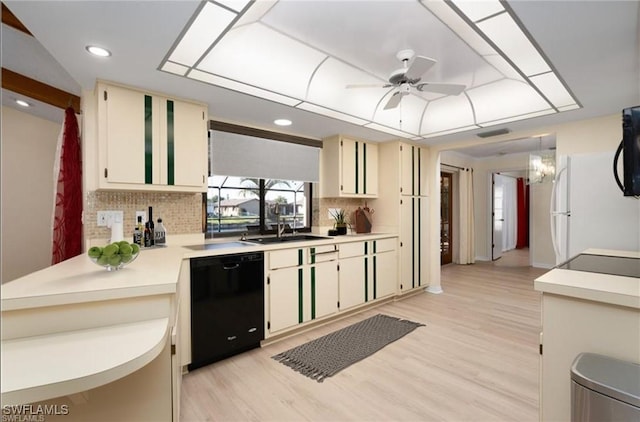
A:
324,283
497,213
351,285
284,301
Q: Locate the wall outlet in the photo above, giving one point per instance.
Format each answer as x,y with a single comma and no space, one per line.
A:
142,214
106,218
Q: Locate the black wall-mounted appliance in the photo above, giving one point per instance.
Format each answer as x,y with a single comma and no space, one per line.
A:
630,149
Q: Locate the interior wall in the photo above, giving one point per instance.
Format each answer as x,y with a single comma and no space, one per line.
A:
542,254
28,151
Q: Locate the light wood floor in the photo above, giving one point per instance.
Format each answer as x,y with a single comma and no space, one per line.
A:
476,360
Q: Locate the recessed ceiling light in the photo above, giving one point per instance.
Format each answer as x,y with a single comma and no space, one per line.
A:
282,122
98,51
23,103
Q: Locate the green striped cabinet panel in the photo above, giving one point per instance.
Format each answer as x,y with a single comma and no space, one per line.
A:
349,168
302,286
414,243
413,170
148,141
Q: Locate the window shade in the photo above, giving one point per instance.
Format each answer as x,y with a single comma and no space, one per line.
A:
247,156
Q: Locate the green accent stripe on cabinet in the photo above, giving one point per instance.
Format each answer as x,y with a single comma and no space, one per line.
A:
170,145
419,243
366,248
364,168
413,243
148,140
313,292
366,279
419,175
313,255
413,170
374,246
375,281
300,256
357,169
300,276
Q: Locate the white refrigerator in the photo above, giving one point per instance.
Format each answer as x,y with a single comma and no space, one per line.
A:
588,209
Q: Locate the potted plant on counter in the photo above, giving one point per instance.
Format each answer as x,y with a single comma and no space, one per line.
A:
340,224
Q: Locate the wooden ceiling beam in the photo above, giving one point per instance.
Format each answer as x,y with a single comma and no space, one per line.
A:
37,90
8,18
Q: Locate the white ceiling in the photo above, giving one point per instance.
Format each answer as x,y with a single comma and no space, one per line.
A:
593,46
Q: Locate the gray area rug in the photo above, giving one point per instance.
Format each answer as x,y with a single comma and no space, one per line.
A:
328,355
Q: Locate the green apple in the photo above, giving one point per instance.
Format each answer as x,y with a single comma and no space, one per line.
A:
110,250
103,260
125,249
115,260
126,258
95,252
135,248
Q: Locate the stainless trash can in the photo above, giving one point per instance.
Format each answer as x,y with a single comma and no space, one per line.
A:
604,389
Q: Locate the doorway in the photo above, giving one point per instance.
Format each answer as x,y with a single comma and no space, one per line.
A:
446,218
509,213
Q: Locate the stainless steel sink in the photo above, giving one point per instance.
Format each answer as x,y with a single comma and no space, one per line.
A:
284,239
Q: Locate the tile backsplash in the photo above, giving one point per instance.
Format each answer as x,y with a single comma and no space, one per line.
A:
181,213
321,206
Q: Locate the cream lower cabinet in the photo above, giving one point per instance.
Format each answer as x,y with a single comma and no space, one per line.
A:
302,285
368,271
147,141
414,243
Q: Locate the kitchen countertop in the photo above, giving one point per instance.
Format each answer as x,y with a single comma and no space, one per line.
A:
40,367
605,288
155,271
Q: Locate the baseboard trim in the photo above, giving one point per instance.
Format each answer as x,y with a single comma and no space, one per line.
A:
435,290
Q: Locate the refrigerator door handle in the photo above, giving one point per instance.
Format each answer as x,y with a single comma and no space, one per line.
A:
553,214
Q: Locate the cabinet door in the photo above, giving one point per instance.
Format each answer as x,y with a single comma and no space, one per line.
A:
414,240
324,289
285,298
352,282
350,167
413,170
187,149
128,118
370,176
385,274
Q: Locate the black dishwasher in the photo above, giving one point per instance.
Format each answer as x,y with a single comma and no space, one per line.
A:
227,306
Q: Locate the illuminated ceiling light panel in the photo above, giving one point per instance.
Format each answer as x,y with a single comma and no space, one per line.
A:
438,116
553,89
331,113
382,128
258,48
507,35
239,86
268,59
175,68
328,86
519,117
505,99
476,10
451,131
236,5
208,26
406,117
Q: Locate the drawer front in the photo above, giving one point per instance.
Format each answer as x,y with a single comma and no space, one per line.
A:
322,253
285,258
348,250
384,245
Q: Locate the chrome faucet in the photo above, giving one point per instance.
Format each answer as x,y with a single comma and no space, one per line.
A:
279,224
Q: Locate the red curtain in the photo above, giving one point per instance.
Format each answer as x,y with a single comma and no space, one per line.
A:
522,237
67,216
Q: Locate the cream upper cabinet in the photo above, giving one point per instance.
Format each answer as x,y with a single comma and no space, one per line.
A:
413,176
349,168
148,141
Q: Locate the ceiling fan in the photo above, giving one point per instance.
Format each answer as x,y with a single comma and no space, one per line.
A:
410,77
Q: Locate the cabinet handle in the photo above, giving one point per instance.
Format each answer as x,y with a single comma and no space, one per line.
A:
253,330
231,338
232,267
106,172
322,253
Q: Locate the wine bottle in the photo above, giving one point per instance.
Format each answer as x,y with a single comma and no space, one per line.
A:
151,228
138,232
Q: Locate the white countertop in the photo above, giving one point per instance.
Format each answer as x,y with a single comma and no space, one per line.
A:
606,288
42,367
46,366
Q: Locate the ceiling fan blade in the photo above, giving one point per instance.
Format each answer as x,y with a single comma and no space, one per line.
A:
394,101
448,89
350,86
419,67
